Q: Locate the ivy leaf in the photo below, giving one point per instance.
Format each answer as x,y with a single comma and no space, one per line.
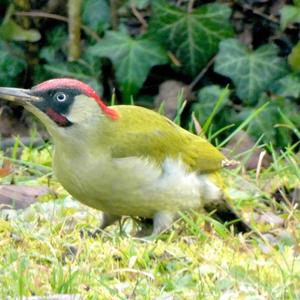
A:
269,122
132,59
289,14
288,86
263,124
11,65
77,70
87,68
193,37
251,71
56,43
11,31
294,58
95,14
208,97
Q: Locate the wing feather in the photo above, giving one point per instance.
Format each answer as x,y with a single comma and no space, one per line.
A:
145,133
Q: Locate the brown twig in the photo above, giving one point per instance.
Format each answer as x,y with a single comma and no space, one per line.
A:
190,6
140,18
259,166
261,14
40,14
174,59
114,14
201,74
270,18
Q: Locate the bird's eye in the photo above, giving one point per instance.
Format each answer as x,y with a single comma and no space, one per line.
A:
60,97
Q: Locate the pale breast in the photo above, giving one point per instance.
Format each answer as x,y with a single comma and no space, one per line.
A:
132,186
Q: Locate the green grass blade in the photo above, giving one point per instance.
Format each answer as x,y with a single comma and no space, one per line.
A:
289,124
215,110
181,104
244,124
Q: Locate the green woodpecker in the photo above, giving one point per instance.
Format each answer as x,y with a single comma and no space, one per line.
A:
124,160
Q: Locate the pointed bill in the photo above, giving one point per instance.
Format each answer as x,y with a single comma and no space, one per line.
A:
17,95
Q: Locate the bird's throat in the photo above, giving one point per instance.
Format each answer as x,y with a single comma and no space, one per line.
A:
59,119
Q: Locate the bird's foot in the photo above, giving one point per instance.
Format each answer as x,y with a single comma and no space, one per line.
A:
162,221
107,219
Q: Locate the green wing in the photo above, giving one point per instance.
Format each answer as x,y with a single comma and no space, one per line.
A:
147,134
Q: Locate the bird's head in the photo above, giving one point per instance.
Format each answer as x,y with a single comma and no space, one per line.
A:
61,103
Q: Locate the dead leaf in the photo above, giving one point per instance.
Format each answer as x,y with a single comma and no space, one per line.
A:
270,218
169,91
243,148
197,125
20,196
6,169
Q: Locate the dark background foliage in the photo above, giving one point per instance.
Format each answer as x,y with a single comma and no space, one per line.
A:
148,51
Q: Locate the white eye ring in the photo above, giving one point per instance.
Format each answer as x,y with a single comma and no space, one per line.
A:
61,97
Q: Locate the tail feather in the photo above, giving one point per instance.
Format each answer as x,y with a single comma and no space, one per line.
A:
227,214
222,208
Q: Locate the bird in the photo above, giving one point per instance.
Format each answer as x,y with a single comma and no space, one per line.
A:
126,160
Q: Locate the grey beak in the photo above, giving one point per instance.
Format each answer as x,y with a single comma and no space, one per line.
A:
17,95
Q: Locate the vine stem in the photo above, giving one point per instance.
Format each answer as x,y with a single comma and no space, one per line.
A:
40,14
201,74
74,22
140,18
190,6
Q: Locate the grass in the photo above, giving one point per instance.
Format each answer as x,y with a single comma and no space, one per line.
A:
42,251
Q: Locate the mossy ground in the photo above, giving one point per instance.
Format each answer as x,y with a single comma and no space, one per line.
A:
43,252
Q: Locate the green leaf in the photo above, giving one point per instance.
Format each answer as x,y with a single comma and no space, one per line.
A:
76,70
87,69
288,86
11,65
96,14
193,37
289,14
11,31
251,71
294,57
132,59
56,43
207,99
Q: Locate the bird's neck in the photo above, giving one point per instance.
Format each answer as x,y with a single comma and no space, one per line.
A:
78,140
